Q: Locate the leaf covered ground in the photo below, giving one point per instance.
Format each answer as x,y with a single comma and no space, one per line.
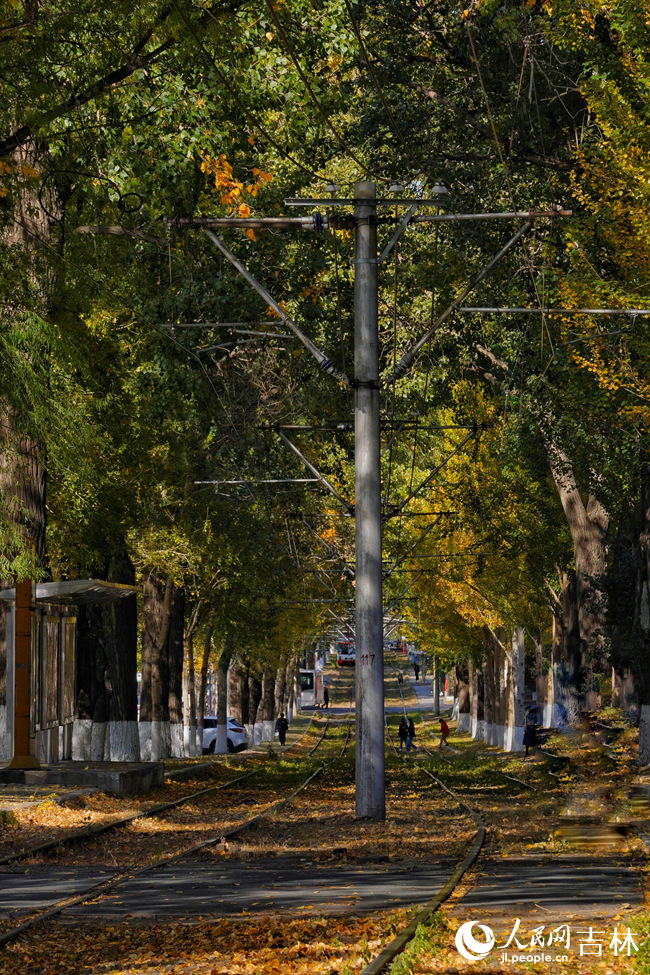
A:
575,781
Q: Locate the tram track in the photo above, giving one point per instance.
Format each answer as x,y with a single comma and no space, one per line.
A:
91,833
400,942
222,836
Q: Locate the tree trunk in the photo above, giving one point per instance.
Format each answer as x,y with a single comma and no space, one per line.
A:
267,704
189,694
540,679
488,687
280,692
254,697
641,624
514,741
566,654
588,525
120,619
476,700
174,655
436,686
239,696
205,666
154,696
221,741
462,695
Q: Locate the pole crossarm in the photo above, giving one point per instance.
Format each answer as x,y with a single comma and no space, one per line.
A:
323,480
315,221
430,476
555,311
275,480
326,364
512,215
408,358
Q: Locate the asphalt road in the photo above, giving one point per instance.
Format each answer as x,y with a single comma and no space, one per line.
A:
232,887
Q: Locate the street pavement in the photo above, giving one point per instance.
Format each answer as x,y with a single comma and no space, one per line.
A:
230,887
559,886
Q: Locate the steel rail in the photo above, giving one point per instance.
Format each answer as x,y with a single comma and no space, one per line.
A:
92,831
96,890
397,945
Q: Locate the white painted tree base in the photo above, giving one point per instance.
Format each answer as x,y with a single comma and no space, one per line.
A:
155,740
99,742
464,721
124,741
177,740
267,731
5,737
514,739
221,741
257,733
478,729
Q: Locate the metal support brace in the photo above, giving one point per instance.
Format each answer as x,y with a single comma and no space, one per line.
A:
407,360
415,544
323,480
403,592
433,473
404,222
329,547
326,364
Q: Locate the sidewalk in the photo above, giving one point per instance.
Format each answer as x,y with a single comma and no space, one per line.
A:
424,693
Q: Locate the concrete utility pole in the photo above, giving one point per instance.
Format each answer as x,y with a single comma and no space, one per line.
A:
370,786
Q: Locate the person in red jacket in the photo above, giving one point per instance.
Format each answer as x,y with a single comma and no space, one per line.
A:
444,732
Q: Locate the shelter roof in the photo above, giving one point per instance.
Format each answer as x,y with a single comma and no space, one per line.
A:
75,592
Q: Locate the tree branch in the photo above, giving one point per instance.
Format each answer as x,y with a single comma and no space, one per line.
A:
135,62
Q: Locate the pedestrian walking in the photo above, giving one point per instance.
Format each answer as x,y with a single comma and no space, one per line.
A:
410,735
282,726
403,731
444,732
530,737
326,698
416,669
400,678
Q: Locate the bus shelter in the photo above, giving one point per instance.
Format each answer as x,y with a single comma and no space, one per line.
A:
52,664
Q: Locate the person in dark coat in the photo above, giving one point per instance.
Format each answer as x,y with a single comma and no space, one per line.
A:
410,735
530,737
416,670
282,726
403,732
326,698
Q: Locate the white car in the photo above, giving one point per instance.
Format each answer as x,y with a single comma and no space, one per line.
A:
237,737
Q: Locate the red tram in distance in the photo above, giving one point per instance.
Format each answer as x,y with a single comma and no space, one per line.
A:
346,653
